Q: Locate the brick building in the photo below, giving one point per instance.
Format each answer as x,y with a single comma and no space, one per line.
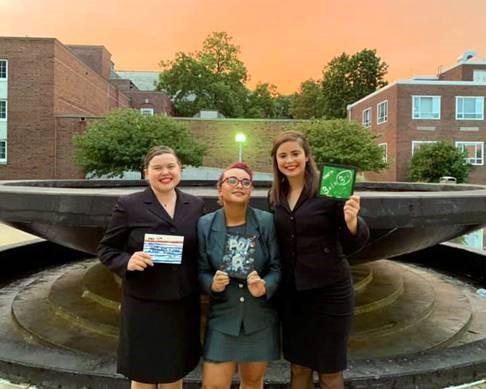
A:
48,91
407,114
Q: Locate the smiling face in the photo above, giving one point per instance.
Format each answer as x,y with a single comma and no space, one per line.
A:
291,159
234,194
163,173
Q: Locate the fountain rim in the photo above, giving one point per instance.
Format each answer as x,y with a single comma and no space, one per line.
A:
109,187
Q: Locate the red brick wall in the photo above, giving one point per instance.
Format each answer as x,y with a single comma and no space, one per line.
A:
386,131
454,74
156,100
96,57
79,90
30,107
401,129
65,130
45,80
447,128
463,72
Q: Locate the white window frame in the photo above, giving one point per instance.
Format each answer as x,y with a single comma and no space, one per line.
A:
6,69
472,160
382,117
479,75
417,116
420,142
460,113
147,111
384,146
366,124
6,110
4,160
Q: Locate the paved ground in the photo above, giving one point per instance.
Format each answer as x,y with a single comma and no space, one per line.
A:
10,237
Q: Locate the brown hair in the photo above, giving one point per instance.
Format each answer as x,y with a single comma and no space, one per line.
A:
158,150
280,184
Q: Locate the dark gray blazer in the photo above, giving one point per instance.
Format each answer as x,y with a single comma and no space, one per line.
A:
140,213
235,305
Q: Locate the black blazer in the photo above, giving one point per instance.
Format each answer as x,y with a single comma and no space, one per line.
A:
314,241
140,213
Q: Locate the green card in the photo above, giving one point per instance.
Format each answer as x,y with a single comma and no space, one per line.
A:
337,181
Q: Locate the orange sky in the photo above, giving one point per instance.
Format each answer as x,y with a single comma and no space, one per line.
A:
283,42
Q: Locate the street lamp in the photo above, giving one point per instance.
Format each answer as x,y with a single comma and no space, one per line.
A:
240,138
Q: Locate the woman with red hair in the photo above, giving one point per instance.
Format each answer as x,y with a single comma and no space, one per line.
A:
239,268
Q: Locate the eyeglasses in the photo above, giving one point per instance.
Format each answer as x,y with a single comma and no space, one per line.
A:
234,181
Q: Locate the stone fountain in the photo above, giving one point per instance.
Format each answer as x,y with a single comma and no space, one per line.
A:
411,325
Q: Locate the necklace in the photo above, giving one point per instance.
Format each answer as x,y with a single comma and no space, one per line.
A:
169,202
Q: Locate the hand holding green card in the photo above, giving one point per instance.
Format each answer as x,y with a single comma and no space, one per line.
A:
337,181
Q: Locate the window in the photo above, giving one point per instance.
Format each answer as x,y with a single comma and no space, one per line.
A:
147,111
479,75
3,151
384,146
3,69
417,144
474,151
366,118
382,112
426,107
3,109
469,108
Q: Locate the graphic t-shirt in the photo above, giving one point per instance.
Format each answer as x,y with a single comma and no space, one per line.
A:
239,252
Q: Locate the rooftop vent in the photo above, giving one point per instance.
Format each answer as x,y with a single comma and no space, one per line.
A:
209,114
466,56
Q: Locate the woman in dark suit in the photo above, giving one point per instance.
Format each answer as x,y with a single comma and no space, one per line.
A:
159,331
239,268
317,290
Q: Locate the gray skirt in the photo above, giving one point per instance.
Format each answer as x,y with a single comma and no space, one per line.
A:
259,346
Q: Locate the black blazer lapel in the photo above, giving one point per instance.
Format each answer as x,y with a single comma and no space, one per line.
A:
182,208
153,205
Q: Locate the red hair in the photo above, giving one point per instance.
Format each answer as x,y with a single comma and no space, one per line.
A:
235,165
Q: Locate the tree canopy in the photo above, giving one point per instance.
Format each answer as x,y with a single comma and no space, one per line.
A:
307,102
345,79
435,160
343,142
262,101
212,78
119,142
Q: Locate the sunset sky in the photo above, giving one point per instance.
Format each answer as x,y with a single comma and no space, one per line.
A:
283,42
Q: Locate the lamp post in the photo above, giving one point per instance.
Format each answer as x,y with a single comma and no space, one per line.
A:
240,138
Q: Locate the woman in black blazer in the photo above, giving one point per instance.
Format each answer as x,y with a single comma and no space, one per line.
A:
317,291
159,331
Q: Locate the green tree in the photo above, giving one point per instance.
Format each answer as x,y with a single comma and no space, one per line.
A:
347,79
435,160
344,142
119,142
282,106
307,102
262,101
213,78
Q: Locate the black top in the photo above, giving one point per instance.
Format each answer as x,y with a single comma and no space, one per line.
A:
140,213
314,241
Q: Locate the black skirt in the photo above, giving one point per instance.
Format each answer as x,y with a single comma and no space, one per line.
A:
159,340
316,324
